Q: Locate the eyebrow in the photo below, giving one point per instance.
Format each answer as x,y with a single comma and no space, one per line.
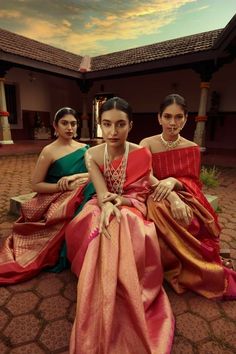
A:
107,120
70,121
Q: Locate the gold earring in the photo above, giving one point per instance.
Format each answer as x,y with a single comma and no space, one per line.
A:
75,135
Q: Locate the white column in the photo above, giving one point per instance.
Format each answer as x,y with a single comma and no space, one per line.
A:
5,131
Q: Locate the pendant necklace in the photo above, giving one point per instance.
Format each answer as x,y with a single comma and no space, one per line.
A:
115,177
170,144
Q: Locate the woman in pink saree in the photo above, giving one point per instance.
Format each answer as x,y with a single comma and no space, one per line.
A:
188,230
121,305
60,178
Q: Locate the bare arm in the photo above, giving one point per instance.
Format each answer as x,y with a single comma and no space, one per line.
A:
40,172
107,207
96,177
65,183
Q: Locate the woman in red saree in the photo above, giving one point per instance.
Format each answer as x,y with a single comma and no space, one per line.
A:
60,179
187,229
121,305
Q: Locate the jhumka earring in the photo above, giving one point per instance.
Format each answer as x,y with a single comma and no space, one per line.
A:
75,135
56,134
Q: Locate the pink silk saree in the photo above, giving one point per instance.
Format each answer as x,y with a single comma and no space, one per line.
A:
121,305
38,235
190,254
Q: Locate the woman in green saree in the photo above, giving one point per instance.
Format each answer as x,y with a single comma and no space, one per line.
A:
61,182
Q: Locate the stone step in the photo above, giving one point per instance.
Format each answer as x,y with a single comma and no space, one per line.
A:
213,200
15,202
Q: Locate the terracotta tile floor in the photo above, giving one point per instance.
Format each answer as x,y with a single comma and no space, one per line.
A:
36,316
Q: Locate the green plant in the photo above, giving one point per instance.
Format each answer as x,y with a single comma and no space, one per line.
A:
210,176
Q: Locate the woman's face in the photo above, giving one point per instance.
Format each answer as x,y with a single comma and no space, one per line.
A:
66,126
115,127
172,119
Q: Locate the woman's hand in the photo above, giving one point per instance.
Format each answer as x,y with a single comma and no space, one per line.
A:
163,188
114,198
70,182
181,211
108,209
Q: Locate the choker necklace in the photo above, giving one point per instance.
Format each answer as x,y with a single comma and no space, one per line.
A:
170,144
115,177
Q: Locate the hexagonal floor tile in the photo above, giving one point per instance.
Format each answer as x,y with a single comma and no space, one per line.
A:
178,303
4,295
22,329
3,319
72,312
22,303
67,276
223,327
27,285
70,291
56,335
3,348
31,348
213,348
206,308
54,307
181,346
192,327
229,308
49,285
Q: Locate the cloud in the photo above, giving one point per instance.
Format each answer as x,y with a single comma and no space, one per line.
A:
87,27
13,14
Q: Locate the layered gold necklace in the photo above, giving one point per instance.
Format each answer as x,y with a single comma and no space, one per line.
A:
115,177
170,144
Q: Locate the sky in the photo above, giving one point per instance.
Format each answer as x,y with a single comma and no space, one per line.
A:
96,27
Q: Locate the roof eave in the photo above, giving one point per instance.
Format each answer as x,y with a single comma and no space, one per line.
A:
32,64
182,61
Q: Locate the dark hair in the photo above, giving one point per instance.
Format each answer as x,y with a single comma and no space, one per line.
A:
64,111
173,98
116,103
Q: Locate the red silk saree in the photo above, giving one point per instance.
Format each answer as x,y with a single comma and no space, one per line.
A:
121,305
38,235
190,254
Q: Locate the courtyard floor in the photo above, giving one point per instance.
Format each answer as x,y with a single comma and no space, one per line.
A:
36,316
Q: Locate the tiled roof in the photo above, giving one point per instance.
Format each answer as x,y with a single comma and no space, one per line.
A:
162,50
24,47
28,48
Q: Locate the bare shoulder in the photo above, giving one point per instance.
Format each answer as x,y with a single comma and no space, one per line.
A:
96,153
48,150
133,146
79,145
187,143
148,141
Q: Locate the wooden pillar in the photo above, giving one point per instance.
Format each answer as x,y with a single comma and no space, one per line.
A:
85,86
5,131
200,131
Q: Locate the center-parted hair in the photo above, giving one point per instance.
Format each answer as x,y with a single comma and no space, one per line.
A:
116,103
63,112
173,98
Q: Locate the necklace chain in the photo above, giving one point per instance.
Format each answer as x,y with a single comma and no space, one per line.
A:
115,177
170,144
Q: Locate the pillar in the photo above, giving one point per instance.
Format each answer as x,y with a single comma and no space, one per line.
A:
85,86
5,131
200,131
84,118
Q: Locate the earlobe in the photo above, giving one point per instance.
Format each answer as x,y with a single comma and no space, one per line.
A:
159,119
130,125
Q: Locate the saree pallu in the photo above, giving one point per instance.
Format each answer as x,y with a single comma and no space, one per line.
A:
190,254
39,233
121,305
